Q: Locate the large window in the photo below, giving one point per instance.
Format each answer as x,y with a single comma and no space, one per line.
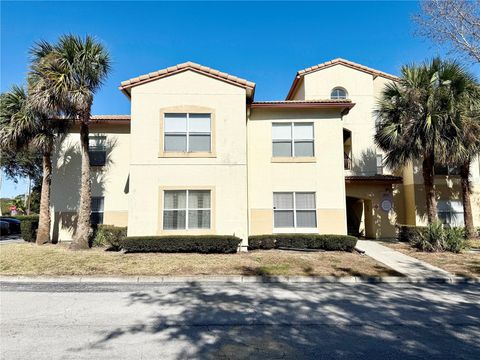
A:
187,132
292,139
450,212
294,210
186,209
446,170
96,216
97,150
338,93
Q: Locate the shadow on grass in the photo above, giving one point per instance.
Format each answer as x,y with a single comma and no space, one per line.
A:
306,321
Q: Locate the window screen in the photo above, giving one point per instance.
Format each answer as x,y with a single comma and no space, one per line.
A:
187,132
186,209
292,139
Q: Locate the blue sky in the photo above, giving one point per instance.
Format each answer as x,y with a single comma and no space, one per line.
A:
262,42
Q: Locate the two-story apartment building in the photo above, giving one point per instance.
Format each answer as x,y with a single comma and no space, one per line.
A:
198,155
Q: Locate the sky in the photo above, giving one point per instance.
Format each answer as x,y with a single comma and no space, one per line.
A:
264,42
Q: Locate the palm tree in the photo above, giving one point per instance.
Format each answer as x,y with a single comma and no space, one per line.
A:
64,79
464,104
23,128
413,123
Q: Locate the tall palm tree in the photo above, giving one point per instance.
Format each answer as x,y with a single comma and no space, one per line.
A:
413,123
22,128
463,97
64,78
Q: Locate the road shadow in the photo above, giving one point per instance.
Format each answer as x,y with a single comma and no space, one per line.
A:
317,321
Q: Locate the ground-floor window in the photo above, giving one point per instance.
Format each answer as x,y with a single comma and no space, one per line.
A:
450,212
186,209
294,210
96,217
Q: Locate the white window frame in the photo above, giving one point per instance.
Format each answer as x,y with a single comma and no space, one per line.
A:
450,211
292,139
187,133
187,209
337,97
311,229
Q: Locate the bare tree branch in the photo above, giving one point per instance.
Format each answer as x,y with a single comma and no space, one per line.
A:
455,23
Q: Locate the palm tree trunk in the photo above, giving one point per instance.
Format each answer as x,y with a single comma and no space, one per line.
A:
428,182
82,235
466,192
43,232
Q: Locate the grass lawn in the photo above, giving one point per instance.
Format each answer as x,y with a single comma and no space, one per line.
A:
30,259
463,264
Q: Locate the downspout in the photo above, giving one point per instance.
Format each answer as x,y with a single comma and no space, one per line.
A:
248,111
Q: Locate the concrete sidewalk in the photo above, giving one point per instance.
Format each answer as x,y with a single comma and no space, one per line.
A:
404,264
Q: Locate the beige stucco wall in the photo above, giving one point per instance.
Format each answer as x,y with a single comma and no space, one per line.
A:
323,175
110,181
446,187
364,90
377,222
225,171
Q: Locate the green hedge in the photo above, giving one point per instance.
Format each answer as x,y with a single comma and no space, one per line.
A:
409,233
303,241
109,236
186,244
28,226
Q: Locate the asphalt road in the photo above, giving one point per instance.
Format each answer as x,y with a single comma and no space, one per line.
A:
240,321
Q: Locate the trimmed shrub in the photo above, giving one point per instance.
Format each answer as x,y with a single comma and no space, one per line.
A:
261,242
303,241
437,237
407,233
109,236
205,244
28,227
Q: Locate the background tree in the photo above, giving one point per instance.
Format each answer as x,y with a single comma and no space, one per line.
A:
23,163
65,76
413,123
455,23
22,128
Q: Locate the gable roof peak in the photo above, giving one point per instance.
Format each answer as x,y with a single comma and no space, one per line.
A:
337,61
126,85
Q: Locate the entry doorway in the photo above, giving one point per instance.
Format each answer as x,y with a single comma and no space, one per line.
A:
359,217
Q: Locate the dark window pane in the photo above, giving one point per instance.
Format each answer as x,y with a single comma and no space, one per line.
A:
174,219
98,157
96,218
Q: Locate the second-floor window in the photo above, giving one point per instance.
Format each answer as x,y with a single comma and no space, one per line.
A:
97,150
338,93
292,139
447,170
187,132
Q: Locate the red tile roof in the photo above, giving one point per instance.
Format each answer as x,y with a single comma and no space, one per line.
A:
374,178
344,105
216,74
110,119
338,61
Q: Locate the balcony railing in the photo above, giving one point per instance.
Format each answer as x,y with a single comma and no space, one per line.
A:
347,162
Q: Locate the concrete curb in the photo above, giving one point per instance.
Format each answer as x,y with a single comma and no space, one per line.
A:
235,279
